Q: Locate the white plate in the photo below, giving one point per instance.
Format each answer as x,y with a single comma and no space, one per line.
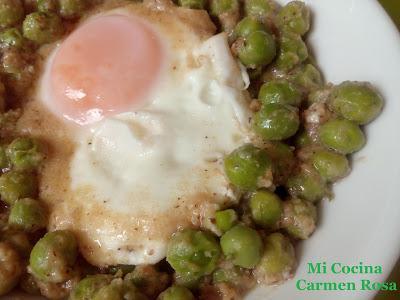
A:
356,40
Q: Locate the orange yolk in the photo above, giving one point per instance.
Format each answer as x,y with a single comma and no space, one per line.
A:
107,66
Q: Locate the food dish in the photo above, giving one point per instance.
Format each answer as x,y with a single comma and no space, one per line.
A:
260,219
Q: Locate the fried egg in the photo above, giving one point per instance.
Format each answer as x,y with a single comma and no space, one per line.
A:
138,106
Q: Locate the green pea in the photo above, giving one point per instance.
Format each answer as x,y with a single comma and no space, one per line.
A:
19,240
42,28
10,268
118,290
299,218
242,245
28,215
87,287
246,166
15,185
188,280
193,252
342,136
24,153
4,162
258,49
230,275
193,4
247,26
330,165
260,9
278,260
53,256
11,12
28,285
225,219
148,279
293,51
279,91
356,101
266,208
13,63
176,292
276,121
307,185
219,7
283,161
11,38
308,77
70,9
303,139
47,6
294,17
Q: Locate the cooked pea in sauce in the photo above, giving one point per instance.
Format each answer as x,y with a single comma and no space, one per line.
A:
305,129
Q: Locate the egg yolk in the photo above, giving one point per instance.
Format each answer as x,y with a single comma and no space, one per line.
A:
107,66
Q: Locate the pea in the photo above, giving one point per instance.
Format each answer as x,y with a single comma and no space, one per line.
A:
278,260
24,153
247,26
303,139
219,7
230,275
330,165
266,208
47,6
260,9
225,219
283,161
193,252
242,245
28,215
246,166
148,279
12,62
193,4
11,12
356,101
307,185
19,240
11,38
176,292
15,185
42,28
293,51
70,9
188,280
299,218
118,290
279,91
28,285
87,287
10,268
53,256
4,162
258,49
342,136
308,77
276,121
294,17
